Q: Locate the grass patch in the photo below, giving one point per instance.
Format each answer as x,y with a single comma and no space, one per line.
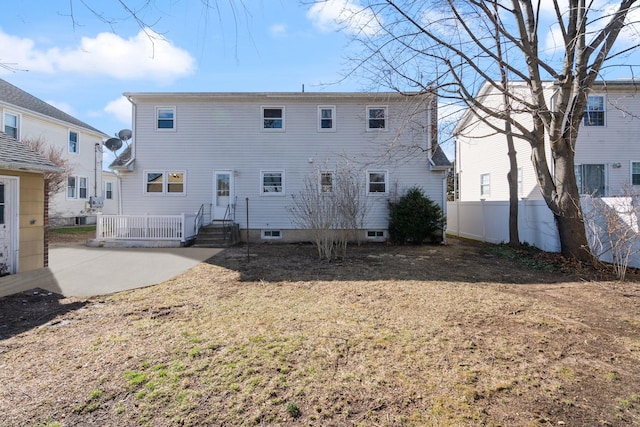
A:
73,230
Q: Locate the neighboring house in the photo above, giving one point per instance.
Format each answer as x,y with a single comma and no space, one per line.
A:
228,154
26,117
607,164
23,205
607,157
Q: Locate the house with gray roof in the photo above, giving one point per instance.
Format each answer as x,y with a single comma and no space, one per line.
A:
240,158
28,118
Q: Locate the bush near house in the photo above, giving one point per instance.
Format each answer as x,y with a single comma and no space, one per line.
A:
414,218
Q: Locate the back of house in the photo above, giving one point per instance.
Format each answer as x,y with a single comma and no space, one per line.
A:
243,156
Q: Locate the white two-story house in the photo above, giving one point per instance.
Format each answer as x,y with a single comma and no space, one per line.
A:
607,164
26,117
244,155
607,153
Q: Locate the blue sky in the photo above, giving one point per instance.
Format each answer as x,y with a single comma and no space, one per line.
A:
82,61
82,65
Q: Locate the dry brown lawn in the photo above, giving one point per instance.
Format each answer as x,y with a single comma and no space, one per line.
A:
456,335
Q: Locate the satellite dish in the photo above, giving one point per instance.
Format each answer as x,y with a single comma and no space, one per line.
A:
124,134
113,144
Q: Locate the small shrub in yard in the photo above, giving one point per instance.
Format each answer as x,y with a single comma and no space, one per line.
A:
414,218
293,410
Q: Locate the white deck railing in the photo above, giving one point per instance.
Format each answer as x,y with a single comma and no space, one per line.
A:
146,227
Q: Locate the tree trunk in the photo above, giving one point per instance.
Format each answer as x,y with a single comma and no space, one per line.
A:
512,178
568,211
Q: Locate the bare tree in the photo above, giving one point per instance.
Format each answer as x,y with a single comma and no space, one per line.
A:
332,207
451,46
55,181
612,228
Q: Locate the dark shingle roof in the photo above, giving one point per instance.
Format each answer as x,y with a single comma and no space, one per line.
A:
15,155
439,158
122,159
12,95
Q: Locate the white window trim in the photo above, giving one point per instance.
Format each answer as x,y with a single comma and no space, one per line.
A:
375,238
333,118
386,182
165,183
631,172
18,124
265,235
267,107
386,118
175,118
333,182
77,188
113,186
604,111
488,184
272,194
77,152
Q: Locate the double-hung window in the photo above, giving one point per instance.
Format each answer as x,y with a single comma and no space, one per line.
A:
108,190
377,182
485,184
165,118
326,118
594,111
326,182
273,118
165,182
635,173
74,142
11,125
272,183
77,187
376,118
591,179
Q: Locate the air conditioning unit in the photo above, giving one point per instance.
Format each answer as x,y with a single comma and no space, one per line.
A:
96,202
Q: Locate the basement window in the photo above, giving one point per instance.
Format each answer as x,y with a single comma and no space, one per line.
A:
271,234
375,234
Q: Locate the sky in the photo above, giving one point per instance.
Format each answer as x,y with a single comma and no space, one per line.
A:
81,61
81,55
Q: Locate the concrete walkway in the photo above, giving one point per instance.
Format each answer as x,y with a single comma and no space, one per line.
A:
83,271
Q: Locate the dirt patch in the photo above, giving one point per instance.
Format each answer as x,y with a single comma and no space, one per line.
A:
463,334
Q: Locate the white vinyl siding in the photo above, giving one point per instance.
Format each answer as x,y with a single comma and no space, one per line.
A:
227,135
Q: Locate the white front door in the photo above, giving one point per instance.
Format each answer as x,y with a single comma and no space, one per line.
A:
223,195
8,225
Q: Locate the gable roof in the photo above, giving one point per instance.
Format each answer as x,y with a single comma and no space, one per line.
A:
16,156
11,95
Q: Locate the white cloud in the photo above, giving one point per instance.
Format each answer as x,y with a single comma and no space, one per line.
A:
63,106
147,55
345,15
121,109
278,30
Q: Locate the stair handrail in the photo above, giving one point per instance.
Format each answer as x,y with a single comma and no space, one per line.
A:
197,223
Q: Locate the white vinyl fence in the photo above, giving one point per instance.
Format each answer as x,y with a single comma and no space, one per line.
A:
489,222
